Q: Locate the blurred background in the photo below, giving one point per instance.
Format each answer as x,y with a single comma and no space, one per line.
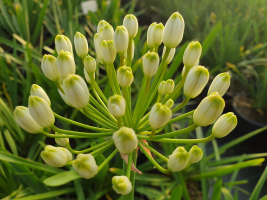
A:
233,34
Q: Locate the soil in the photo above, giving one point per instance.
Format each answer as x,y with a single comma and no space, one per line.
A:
243,105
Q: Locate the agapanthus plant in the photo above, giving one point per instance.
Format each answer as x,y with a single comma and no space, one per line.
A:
123,127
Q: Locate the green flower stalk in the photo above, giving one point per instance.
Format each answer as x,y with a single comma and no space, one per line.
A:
121,124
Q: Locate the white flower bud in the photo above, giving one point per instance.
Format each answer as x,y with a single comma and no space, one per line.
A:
76,91
98,48
89,64
116,105
65,65
106,33
209,109
170,56
85,165
132,51
121,185
224,125
196,81
108,51
81,45
41,111
125,76
161,89
87,77
192,54
196,154
67,152
125,140
159,115
65,99
184,68
24,119
169,103
169,86
61,141
220,84
131,24
49,67
157,34
100,25
150,42
36,90
54,156
178,160
150,64
121,39
173,31
63,43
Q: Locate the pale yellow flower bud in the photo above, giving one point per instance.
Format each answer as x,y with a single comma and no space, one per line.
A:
178,160
106,33
196,154
121,185
125,76
108,51
131,24
89,64
49,67
54,156
150,64
192,54
220,84
98,48
81,45
170,103
150,42
116,105
85,165
170,56
36,90
62,141
161,89
157,34
87,77
64,97
100,25
67,152
169,86
224,125
63,43
121,39
159,115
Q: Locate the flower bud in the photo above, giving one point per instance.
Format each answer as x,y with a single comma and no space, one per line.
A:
54,156
196,154
125,140
170,56
63,43
173,31
121,39
24,119
100,25
157,33
76,91
150,42
108,51
131,24
116,105
85,165
81,45
196,81
170,103
106,33
125,76
41,111
87,77
224,125
209,109
178,160
61,141
121,185
132,51
192,54
184,68
98,48
159,115
36,90
89,64
67,152
49,67
220,84
65,65
65,99
150,64
169,86
161,89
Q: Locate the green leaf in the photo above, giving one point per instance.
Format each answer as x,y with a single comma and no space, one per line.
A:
227,194
177,193
216,194
62,178
256,192
11,142
79,189
264,198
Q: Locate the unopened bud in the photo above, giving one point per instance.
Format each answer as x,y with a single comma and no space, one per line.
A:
157,34
209,109
196,154
67,152
159,115
169,103
65,99
121,185
41,111
24,119
169,86
125,140
170,56
150,64
106,33
108,51
87,77
49,67
150,42
116,105
196,81
36,90
81,45
224,125
100,25
173,31
192,54
85,165
132,51
220,84
121,39
89,64
161,89
131,24
54,156
98,48
178,160
63,43
76,91
61,141
125,76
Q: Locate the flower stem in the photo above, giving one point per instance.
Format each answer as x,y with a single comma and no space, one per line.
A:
59,86
128,172
107,159
119,121
153,132
181,117
59,136
181,105
129,52
185,141
102,149
154,151
121,59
